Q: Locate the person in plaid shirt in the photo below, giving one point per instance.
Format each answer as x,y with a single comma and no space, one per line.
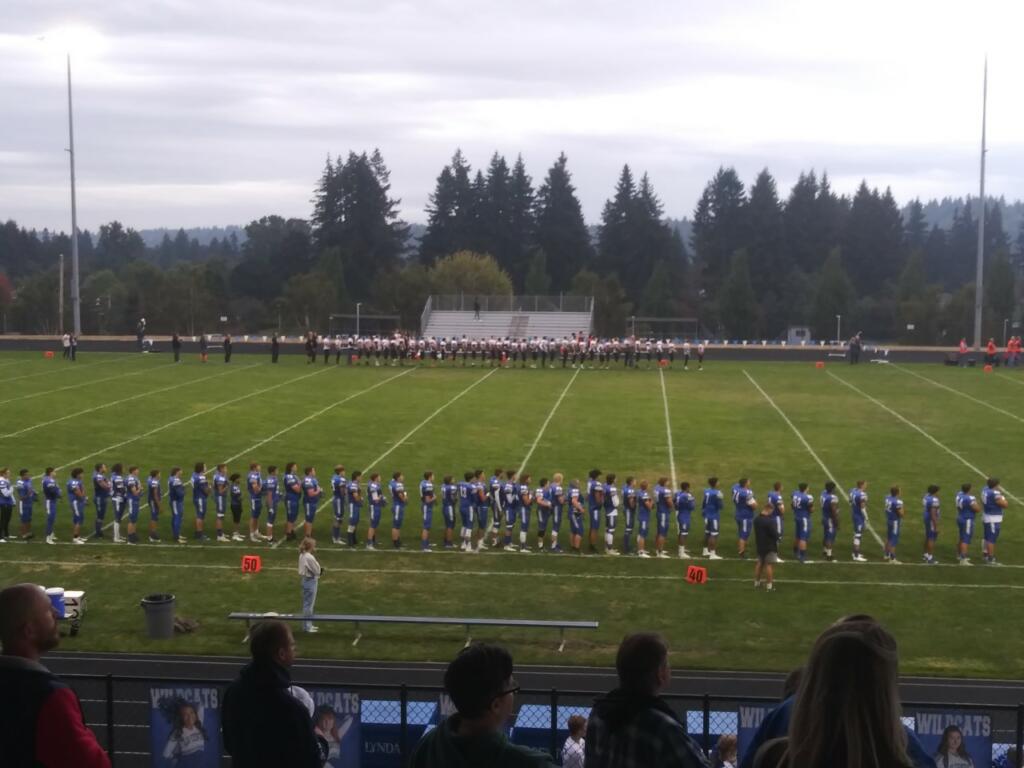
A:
633,727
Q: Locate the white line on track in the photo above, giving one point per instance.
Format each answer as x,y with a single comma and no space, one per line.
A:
81,384
918,429
544,426
940,385
811,451
111,404
668,428
70,367
843,583
191,416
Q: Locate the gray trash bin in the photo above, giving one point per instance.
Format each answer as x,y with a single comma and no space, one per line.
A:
159,610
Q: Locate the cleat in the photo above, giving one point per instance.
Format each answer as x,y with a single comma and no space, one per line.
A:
643,554
714,556
220,538
313,630
27,536
51,539
612,552
336,541
236,536
182,540
706,552
154,539
118,540
371,546
778,560
76,540
662,555
255,538
859,558
965,561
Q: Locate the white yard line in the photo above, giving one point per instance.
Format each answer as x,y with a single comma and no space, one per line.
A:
842,583
544,426
811,451
668,428
191,416
111,404
70,367
918,429
995,408
1010,378
80,385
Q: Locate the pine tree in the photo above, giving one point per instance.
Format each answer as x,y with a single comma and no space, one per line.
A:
561,231
522,223
719,227
448,212
873,243
616,238
537,281
737,299
915,229
834,296
768,261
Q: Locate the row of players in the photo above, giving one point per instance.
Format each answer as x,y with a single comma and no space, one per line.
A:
486,509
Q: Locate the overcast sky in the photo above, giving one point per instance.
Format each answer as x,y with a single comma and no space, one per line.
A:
217,112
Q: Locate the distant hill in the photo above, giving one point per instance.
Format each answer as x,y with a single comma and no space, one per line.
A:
204,235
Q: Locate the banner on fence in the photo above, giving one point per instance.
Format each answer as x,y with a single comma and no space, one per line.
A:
184,726
748,720
336,719
955,738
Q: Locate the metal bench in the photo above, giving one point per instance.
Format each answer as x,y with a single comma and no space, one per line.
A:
358,620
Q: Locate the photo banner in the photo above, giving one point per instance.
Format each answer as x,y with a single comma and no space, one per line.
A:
184,726
336,719
955,738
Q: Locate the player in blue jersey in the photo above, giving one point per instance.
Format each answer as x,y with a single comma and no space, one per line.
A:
6,504
427,499
803,507
26,496
711,511
859,517
220,493
449,503
829,519
236,497
176,501
355,506
595,506
992,505
663,506
254,486
51,495
133,501
339,495
510,505
557,495
524,505
777,511
399,498
292,499
931,523
100,497
118,492
894,522
496,499
645,505
480,506
611,501
746,510
311,492
685,504
376,496
629,510
272,497
466,511
200,499
542,496
78,500
576,515
154,497
967,508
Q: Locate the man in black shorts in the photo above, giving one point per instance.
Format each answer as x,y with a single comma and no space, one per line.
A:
766,536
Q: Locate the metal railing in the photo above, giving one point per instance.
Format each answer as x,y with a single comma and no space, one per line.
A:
392,719
466,302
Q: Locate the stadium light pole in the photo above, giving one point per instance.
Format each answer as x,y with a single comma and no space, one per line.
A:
1006,322
358,305
980,267
839,322
76,302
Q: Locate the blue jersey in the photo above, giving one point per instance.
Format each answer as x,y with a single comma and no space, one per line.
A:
644,497
495,489
117,486
464,489
100,486
663,498
685,502
51,488
575,496
271,489
397,489
236,496
713,501
523,497
200,486
153,495
775,499
339,486
292,487
427,493
990,498
964,504
858,502
629,497
893,508
931,504
175,489
254,482
594,487
26,493
6,493
802,503
76,491
477,492
310,489
741,500
449,494
376,497
508,490
355,496
611,497
543,498
557,498
134,487
829,505
220,483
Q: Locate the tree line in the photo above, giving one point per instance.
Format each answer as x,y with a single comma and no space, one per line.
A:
756,261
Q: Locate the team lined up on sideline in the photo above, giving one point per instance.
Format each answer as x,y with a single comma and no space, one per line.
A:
486,512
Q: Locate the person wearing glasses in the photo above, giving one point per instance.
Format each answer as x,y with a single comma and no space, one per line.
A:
480,683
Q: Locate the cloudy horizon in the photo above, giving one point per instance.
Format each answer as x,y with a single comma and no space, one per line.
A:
196,115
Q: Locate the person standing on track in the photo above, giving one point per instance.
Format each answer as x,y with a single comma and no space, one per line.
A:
176,347
931,523
993,503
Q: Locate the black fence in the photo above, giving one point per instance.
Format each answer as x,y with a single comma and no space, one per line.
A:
127,715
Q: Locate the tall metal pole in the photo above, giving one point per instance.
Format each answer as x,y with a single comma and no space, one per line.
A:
980,269
76,305
60,298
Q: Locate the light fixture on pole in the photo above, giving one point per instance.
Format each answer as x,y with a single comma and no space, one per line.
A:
839,325
358,305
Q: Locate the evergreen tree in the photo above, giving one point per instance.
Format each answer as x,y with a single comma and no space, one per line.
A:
719,227
737,299
961,249
522,222
1000,297
616,238
561,231
538,281
765,245
496,219
800,225
448,212
873,243
915,228
834,296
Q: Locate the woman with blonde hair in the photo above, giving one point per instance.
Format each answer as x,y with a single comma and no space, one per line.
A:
309,572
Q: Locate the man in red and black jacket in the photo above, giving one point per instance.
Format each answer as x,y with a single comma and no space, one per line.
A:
40,717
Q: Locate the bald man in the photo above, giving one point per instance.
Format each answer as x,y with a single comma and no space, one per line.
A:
40,717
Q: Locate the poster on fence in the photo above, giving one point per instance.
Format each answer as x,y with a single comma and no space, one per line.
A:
748,720
955,738
336,719
184,726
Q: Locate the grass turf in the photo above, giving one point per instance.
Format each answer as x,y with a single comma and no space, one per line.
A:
952,426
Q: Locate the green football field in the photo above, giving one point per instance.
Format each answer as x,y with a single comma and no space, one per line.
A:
910,425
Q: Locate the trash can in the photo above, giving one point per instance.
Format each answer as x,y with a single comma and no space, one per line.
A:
159,610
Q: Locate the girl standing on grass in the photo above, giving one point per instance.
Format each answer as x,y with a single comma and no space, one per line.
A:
309,573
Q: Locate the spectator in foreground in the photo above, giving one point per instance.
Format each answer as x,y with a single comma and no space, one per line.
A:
846,710
480,684
633,727
263,723
725,751
40,717
573,751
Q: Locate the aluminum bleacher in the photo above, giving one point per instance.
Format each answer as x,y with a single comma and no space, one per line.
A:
506,316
